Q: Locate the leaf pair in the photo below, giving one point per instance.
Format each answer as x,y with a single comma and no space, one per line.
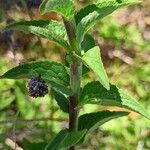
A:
87,122
92,93
56,32
85,19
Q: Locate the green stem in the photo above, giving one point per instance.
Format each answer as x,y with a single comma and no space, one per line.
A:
75,74
71,36
75,79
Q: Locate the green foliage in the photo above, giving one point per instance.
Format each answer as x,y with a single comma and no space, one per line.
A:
93,60
84,12
82,48
92,14
95,93
64,7
65,139
97,119
62,101
49,29
88,43
27,145
52,72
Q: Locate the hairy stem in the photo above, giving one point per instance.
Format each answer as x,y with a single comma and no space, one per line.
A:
71,36
75,75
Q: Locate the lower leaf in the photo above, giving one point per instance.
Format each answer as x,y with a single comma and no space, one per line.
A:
95,93
65,139
93,120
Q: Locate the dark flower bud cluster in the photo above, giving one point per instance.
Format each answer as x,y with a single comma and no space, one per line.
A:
37,87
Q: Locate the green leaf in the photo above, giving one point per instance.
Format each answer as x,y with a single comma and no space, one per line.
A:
65,139
64,7
54,144
71,139
90,15
84,12
51,30
95,93
60,88
51,72
93,59
28,145
91,121
62,101
88,43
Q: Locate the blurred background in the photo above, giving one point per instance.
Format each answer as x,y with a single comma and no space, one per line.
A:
124,39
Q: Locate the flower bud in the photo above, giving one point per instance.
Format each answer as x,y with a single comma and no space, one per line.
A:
37,87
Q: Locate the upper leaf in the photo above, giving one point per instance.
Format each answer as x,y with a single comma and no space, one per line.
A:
95,93
51,30
87,44
84,12
64,7
89,15
52,72
65,139
93,60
